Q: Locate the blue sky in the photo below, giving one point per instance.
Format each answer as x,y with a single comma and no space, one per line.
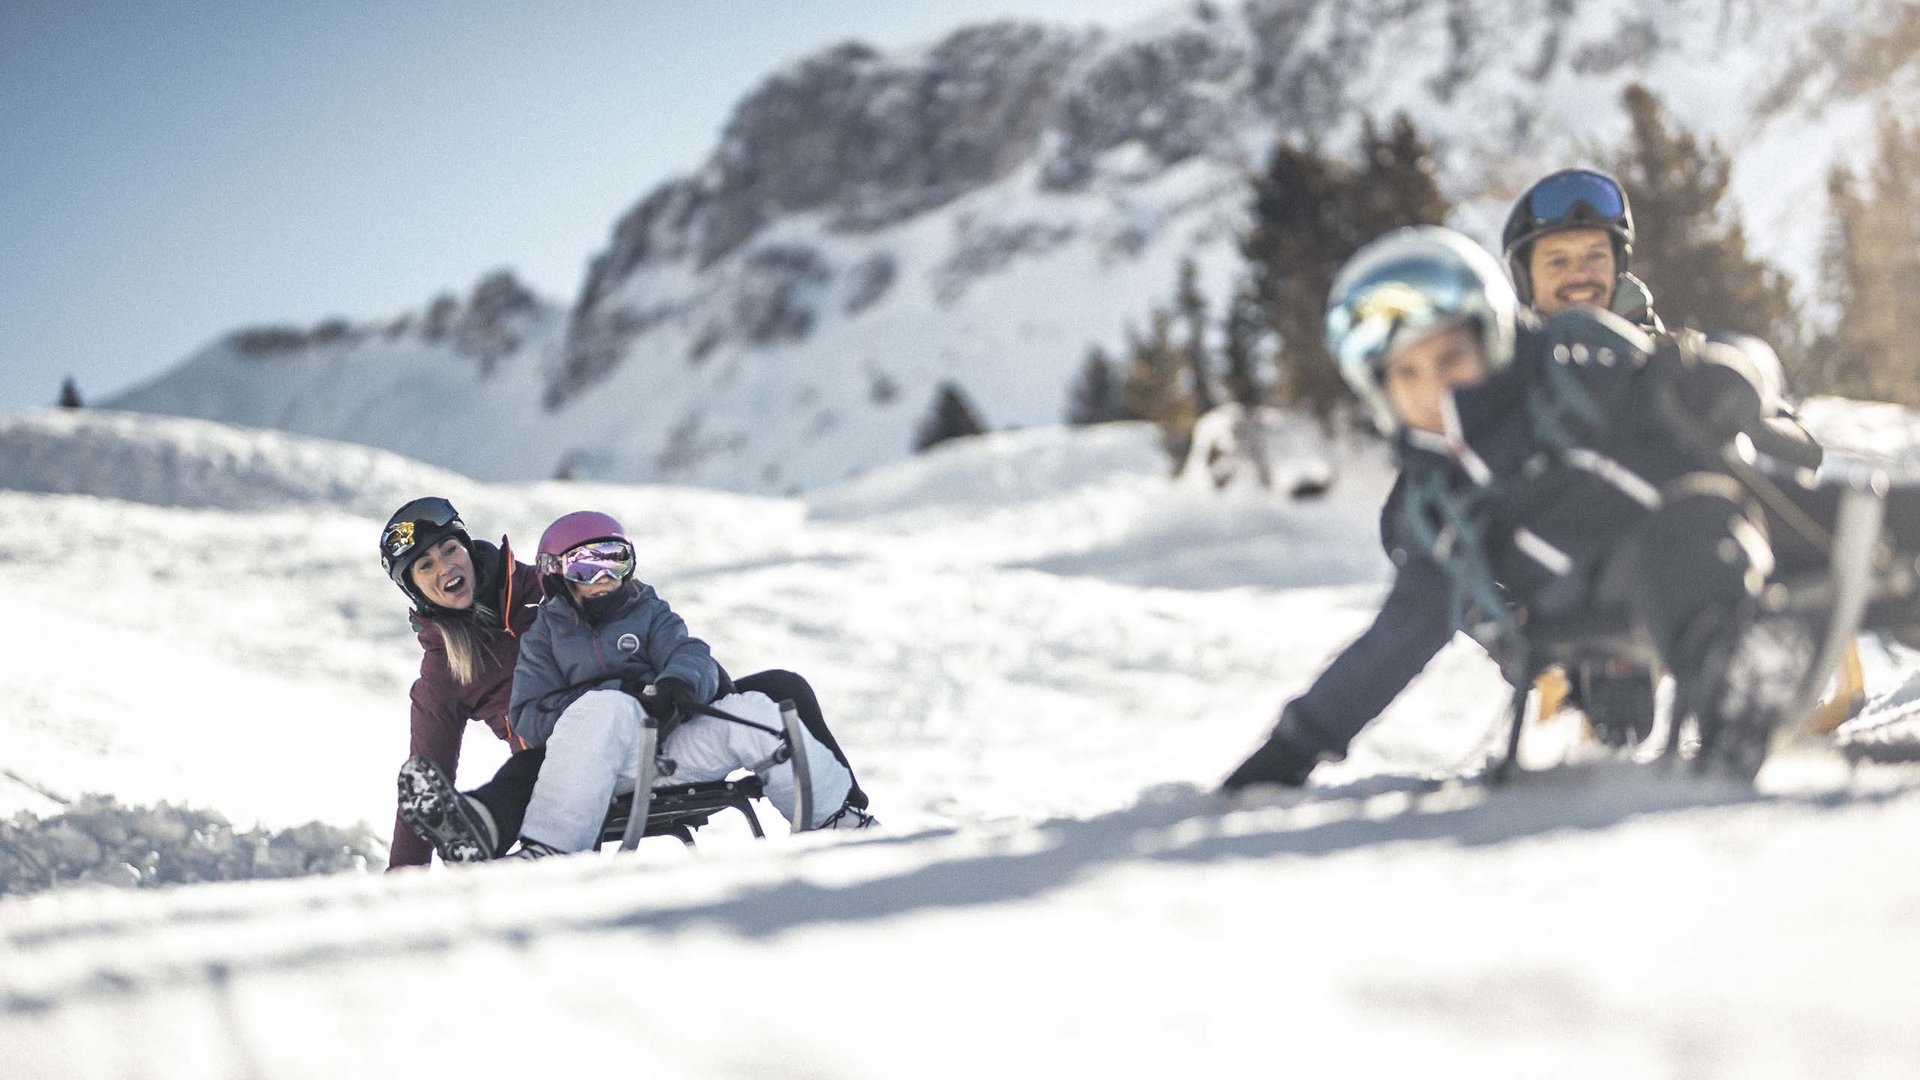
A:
169,171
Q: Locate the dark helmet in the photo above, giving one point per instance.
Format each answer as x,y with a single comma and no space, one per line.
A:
1405,285
413,529
1569,199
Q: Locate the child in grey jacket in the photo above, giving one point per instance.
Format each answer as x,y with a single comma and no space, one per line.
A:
604,650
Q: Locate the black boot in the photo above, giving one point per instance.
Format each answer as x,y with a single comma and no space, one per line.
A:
458,826
1749,686
1617,699
1280,760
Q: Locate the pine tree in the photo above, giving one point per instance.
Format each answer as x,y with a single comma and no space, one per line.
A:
951,417
70,394
1155,389
1301,233
1692,250
1872,271
1239,348
1195,319
1311,213
1397,186
1097,396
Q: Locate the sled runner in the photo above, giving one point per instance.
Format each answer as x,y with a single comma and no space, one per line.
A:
677,810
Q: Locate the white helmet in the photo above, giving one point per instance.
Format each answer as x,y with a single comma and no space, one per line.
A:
1402,287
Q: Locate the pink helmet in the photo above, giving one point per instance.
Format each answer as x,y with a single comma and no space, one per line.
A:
583,546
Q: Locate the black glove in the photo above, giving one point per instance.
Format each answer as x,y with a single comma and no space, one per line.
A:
670,697
1714,392
1278,761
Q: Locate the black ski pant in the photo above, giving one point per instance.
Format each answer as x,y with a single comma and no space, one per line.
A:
507,795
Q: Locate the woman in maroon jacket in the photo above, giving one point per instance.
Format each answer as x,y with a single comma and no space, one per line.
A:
471,602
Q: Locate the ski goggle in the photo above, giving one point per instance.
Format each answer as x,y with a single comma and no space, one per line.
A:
1576,196
420,518
584,564
1378,317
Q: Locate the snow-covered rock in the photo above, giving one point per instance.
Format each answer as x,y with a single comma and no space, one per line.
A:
1264,447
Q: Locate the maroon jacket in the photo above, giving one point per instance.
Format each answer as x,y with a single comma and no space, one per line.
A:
441,706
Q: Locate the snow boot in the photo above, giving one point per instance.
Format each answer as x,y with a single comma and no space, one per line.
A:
458,826
1279,760
1762,670
1618,701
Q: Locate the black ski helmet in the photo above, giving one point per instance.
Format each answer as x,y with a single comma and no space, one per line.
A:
1568,199
412,529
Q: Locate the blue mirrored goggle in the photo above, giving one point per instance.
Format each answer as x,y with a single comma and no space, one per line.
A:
1576,196
1380,315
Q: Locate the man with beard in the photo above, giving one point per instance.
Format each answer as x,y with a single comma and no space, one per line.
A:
1569,242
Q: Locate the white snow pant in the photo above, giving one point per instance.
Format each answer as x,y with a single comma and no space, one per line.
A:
590,759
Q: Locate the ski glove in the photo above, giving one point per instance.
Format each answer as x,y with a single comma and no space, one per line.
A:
1712,390
671,697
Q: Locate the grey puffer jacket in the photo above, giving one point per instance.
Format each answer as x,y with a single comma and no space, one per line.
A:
562,656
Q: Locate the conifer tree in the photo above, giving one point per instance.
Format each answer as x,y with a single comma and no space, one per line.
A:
1240,349
1195,321
1693,250
1871,276
70,394
1155,389
1097,396
951,417
1311,212
1301,233
1397,186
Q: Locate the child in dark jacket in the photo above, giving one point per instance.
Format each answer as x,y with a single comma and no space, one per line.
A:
604,651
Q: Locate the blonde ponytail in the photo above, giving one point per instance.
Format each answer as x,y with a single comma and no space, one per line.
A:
466,654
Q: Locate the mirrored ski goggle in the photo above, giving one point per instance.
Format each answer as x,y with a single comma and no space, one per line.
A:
1576,196
586,564
1380,316
418,518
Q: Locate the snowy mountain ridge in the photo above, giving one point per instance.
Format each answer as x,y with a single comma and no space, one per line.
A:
983,208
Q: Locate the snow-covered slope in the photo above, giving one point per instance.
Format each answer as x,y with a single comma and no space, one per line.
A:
1042,655
983,208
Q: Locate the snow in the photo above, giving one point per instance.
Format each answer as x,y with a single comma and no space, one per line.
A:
1042,655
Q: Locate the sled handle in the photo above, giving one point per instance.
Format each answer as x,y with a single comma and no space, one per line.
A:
802,768
642,784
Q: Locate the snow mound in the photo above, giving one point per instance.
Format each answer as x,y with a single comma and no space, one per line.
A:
1873,434
997,470
199,464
